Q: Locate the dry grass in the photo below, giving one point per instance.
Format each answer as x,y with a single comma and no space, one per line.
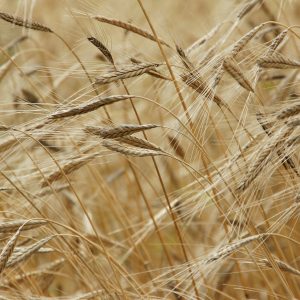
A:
141,160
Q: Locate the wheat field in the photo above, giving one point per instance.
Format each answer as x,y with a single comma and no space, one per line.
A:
149,149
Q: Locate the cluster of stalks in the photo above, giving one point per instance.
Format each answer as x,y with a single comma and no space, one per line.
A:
140,178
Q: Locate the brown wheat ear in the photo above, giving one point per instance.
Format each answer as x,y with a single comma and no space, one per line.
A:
102,48
89,106
129,27
24,23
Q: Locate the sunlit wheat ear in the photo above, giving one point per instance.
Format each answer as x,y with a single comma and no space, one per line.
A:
174,143
277,61
24,23
244,40
88,106
119,131
234,70
229,249
247,8
282,266
289,112
262,158
100,46
26,252
8,249
130,151
12,226
129,72
68,167
138,142
129,27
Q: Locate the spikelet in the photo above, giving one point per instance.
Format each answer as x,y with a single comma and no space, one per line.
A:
88,107
24,23
132,71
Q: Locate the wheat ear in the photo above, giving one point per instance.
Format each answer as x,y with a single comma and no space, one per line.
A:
132,71
119,131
